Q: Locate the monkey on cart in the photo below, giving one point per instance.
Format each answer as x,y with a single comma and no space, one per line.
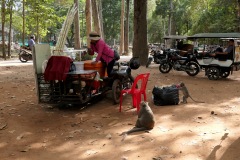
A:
182,87
145,121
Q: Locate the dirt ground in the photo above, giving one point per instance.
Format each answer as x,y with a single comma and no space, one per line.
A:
192,131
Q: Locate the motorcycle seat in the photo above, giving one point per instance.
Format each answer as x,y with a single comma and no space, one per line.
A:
121,73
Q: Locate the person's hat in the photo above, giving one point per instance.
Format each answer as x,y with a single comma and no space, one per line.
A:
94,36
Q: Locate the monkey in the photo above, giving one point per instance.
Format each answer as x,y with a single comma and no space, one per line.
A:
186,94
145,120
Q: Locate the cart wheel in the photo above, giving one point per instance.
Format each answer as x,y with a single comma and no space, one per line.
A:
165,68
116,90
213,73
225,74
195,69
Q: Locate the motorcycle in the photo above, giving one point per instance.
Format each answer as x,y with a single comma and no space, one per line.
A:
155,56
25,54
121,78
173,60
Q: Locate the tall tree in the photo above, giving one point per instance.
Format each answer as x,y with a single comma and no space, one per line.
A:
95,15
126,28
121,50
23,22
10,11
238,14
101,18
77,43
88,12
140,47
3,11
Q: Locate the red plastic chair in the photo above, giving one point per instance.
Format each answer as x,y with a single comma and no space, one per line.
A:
135,91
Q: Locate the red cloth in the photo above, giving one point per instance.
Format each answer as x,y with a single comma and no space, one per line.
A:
57,67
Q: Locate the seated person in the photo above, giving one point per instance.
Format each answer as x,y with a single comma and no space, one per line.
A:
179,44
228,54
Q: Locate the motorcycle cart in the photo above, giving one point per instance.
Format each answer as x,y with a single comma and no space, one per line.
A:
59,81
25,54
214,67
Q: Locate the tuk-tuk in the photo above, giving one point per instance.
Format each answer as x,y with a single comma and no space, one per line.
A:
216,67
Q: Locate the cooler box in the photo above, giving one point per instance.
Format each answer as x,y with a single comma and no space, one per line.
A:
99,66
79,65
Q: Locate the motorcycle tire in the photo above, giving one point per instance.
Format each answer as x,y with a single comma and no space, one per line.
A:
165,67
22,57
195,67
116,90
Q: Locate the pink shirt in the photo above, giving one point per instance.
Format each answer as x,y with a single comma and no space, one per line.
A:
103,50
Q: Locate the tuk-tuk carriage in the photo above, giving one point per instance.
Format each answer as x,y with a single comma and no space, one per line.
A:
216,67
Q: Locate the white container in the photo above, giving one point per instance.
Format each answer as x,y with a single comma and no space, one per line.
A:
79,65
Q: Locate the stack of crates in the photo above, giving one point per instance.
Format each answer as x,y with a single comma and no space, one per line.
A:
48,92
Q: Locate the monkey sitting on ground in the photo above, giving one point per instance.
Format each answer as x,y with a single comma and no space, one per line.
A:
145,121
185,92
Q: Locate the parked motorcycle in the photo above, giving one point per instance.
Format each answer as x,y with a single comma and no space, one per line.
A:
25,54
122,78
173,60
155,56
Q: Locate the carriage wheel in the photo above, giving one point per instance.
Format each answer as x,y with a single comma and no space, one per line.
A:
213,73
225,74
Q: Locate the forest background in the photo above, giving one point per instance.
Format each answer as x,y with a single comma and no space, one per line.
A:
44,19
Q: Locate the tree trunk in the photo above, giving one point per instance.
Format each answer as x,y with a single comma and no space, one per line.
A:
121,50
96,17
126,29
170,19
77,42
238,5
10,29
140,47
100,17
88,12
3,31
37,38
23,27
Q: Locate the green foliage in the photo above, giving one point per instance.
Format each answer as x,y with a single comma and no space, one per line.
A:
188,17
194,16
111,20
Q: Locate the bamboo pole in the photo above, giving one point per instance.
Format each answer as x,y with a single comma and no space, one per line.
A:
65,28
